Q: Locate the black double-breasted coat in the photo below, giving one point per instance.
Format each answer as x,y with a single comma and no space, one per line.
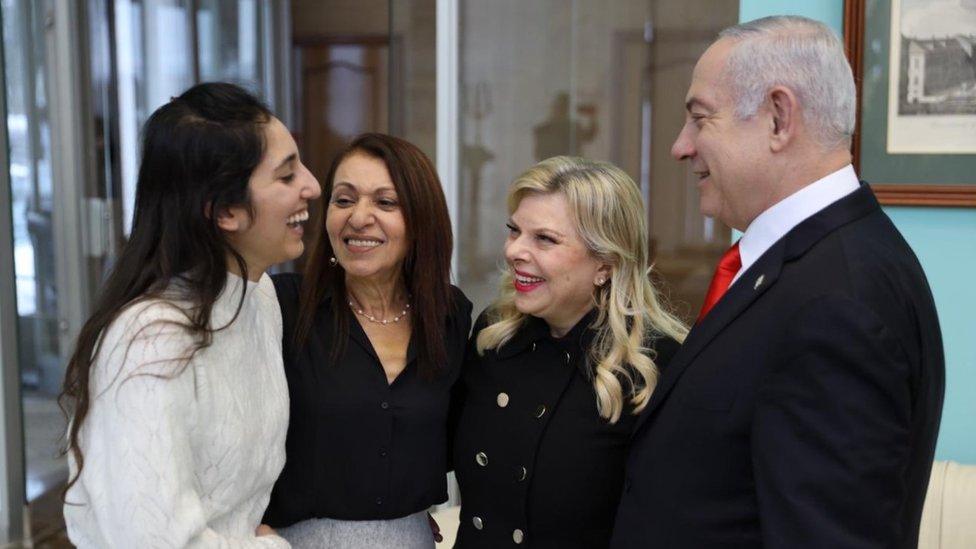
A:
536,464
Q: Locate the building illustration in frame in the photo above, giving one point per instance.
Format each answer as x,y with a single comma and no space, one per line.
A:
932,78
938,76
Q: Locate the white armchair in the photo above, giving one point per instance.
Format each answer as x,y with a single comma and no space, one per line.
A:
949,515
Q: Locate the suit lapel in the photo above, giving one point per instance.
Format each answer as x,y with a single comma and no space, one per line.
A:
755,281
748,288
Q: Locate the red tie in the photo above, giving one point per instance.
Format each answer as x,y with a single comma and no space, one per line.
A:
727,267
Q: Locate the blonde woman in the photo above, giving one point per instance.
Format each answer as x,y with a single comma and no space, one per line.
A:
561,363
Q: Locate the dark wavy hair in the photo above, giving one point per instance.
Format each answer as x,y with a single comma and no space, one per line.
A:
198,154
426,267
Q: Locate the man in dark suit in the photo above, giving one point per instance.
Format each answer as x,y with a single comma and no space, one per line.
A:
803,409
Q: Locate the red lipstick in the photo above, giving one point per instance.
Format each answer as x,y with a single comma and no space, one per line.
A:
524,287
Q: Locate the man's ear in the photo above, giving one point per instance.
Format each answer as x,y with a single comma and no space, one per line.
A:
785,111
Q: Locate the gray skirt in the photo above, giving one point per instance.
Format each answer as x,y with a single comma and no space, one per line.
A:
410,532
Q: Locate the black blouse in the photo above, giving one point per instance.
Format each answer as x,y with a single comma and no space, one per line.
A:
359,448
537,466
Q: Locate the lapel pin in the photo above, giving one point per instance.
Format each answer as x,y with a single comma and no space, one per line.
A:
759,282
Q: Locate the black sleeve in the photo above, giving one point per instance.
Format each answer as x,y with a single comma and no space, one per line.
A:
829,432
462,312
458,330
665,347
287,287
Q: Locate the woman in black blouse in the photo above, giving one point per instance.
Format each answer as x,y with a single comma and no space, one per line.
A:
374,335
560,364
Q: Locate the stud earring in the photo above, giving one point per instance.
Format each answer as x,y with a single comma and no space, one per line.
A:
601,281
333,261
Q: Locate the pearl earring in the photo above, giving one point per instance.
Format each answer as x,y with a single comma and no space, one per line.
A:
333,261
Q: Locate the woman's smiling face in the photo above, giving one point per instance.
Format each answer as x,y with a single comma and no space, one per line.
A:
364,221
280,189
553,271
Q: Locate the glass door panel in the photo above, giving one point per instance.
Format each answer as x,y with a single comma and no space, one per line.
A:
154,62
31,188
229,42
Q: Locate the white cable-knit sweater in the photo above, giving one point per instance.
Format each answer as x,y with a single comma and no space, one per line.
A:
183,458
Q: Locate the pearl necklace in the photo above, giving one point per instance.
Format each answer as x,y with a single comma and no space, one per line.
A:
384,321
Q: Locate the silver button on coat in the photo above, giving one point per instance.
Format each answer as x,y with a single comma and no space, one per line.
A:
502,400
478,523
518,536
481,458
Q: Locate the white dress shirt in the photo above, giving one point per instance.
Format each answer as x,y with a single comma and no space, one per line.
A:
774,223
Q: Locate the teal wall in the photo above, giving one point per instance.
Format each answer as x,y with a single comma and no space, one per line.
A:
945,241
828,11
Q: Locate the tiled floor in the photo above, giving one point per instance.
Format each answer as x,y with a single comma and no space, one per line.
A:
44,427
47,522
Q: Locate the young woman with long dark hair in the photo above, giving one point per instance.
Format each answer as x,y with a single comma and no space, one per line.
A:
176,392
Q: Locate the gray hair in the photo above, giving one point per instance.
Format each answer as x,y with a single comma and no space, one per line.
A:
803,55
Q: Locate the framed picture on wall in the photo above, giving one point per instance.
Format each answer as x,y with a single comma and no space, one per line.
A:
915,67
932,77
